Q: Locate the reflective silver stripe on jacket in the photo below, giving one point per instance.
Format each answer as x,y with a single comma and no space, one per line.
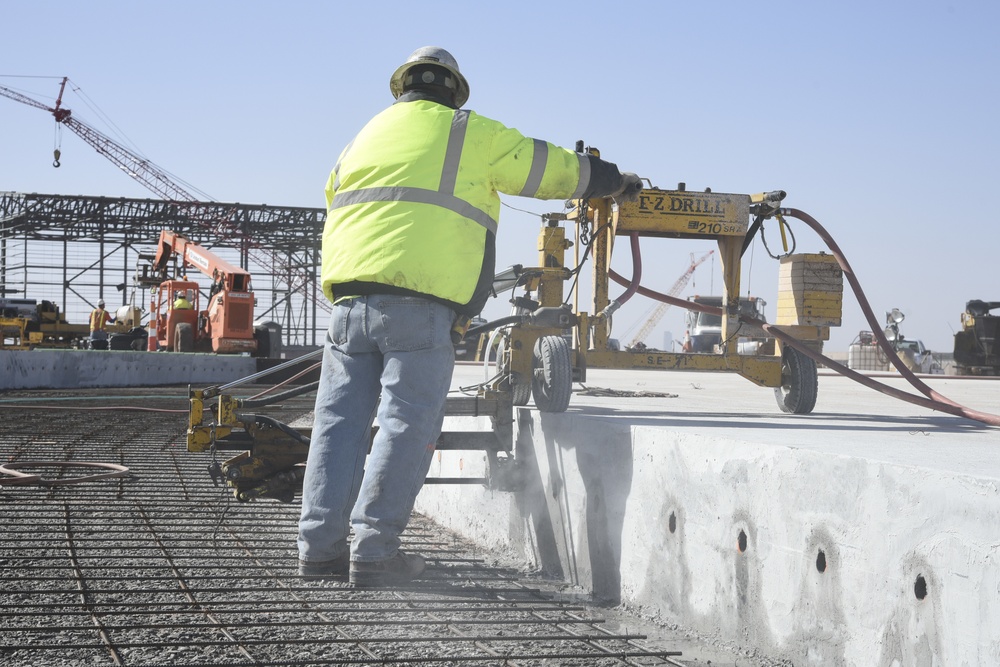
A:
534,181
453,154
417,196
443,197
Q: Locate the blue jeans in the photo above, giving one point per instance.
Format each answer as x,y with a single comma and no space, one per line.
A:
399,349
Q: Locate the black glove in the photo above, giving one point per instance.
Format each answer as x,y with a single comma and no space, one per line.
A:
630,187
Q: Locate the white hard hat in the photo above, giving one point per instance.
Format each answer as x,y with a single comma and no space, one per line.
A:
100,303
431,55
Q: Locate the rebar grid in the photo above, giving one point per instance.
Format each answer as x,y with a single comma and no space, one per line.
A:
162,567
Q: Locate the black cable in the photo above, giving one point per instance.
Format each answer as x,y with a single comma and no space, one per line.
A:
270,400
274,423
495,324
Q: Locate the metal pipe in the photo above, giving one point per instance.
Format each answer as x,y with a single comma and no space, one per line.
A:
315,354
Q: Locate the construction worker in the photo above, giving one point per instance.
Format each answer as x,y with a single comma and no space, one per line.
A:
408,248
686,345
99,319
181,302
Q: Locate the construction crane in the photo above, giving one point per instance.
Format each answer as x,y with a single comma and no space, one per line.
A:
136,166
662,307
161,183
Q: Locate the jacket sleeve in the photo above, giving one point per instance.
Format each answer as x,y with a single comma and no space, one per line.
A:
529,167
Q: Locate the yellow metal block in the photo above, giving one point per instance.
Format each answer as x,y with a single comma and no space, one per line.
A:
830,281
812,298
682,214
810,290
804,259
810,269
807,316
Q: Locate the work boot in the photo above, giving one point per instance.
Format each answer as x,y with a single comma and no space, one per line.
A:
399,569
338,568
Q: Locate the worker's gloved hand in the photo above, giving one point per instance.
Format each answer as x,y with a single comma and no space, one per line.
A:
630,187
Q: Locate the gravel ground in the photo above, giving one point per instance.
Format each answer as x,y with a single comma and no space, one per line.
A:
161,567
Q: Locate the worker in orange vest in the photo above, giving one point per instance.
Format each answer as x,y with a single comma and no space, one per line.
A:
99,319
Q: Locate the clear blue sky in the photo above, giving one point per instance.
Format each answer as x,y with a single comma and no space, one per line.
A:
878,118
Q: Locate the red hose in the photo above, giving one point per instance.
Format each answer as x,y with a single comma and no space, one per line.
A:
632,285
636,270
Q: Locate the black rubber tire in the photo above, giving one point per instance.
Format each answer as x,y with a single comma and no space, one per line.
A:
140,340
263,337
120,342
268,337
799,383
520,393
552,383
183,338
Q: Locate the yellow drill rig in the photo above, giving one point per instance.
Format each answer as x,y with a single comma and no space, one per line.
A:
548,343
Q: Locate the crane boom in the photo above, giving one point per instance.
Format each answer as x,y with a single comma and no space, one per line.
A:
132,164
662,307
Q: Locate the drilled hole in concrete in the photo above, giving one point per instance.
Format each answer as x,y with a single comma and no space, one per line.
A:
920,587
741,542
672,522
821,561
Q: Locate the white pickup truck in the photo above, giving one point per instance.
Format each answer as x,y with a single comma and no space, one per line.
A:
917,357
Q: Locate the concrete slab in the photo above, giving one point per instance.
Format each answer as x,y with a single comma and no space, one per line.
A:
70,369
866,533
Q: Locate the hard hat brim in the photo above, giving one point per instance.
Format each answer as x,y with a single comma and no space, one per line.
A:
396,81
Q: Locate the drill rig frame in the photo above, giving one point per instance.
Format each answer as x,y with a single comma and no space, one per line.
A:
536,361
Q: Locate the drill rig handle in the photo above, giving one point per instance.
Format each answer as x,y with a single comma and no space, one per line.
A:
772,197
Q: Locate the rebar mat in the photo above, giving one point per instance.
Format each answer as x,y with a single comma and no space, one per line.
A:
160,567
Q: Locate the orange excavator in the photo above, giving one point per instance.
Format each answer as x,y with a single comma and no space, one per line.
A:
177,320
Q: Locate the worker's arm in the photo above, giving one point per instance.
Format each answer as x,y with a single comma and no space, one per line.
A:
529,167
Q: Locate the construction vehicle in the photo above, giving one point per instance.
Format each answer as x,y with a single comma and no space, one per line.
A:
224,326
705,329
977,345
26,324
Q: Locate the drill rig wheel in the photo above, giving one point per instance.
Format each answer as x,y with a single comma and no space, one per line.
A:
799,383
552,383
520,392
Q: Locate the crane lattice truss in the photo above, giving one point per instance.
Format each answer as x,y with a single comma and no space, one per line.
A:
661,308
74,250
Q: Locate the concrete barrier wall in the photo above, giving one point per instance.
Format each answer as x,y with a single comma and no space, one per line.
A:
807,556
68,369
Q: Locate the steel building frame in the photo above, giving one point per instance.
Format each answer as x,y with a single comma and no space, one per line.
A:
73,250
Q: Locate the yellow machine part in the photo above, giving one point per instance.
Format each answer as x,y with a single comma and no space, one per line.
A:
14,328
810,291
681,214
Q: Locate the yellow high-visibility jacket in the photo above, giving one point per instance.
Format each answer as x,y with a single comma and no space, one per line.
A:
412,204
